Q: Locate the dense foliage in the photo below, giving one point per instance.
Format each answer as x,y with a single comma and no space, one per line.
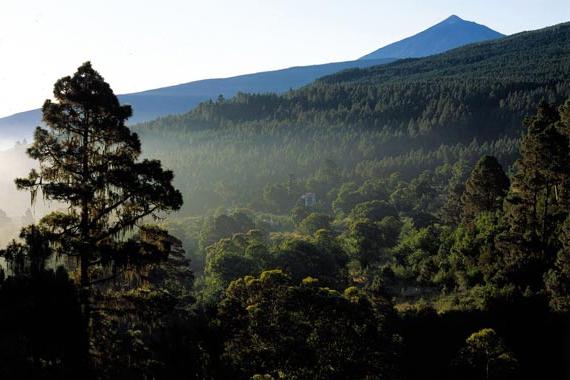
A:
389,223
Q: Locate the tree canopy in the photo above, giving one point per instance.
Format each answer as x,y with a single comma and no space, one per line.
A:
88,159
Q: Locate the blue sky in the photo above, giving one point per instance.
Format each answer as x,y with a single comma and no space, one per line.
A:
142,44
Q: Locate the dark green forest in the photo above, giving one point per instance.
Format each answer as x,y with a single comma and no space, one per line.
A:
405,221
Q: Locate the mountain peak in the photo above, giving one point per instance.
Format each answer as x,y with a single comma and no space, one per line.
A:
453,18
449,34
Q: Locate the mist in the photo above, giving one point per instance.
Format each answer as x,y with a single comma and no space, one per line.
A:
16,209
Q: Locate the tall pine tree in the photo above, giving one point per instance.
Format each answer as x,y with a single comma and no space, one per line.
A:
535,207
89,160
558,278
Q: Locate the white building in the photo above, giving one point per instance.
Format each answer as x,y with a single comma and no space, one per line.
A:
309,199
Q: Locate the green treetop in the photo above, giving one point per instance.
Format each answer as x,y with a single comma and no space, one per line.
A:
88,159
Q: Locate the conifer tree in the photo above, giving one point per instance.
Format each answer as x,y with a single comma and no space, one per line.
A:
485,188
564,112
558,278
535,207
452,208
541,170
89,160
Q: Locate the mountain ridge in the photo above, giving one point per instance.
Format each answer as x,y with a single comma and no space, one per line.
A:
471,55
178,99
443,36
407,116
423,93
181,98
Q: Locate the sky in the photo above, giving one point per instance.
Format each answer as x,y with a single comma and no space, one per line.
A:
142,44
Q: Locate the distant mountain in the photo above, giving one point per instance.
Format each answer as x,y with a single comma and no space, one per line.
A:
151,104
451,33
478,91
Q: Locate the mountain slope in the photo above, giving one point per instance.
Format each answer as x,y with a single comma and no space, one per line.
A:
536,56
181,98
451,33
451,90
406,117
148,105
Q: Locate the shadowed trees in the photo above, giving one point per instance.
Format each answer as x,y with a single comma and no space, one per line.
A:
42,332
485,356
88,159
485,188
273,326
537,203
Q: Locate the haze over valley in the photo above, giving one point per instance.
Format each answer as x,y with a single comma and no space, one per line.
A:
162,102
404,215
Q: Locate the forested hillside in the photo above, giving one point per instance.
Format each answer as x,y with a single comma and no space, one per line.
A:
406,222
181,98
177,99
404,117
437,187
